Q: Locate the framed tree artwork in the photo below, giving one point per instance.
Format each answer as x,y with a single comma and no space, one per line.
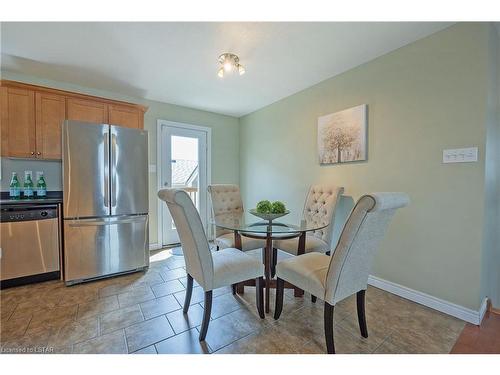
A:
342,136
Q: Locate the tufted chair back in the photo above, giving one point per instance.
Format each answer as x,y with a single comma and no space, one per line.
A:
197,255
320,206
226,198
352,259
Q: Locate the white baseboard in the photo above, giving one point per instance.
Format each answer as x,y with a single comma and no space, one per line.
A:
154,246
460,312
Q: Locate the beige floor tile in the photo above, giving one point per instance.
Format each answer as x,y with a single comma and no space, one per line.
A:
6,310
266,341
378,329
148,332
14,328
112,343
183,280
135,296
231,327
181,322
119,285
74,332
119,319
177,273
197,296
175,262
147,350
53,317
166,288
225,304
159,306
97,307
77,296
184,343
406,341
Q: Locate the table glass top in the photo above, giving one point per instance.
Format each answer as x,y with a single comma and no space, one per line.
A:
241,223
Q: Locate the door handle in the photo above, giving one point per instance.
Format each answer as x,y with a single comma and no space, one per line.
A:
113,170
100,222
106,169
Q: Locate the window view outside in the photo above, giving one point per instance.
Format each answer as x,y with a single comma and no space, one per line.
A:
185,166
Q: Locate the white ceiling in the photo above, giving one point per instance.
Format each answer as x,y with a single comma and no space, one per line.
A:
177,62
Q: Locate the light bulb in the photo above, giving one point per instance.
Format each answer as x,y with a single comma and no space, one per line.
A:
220,73
228,66
241,69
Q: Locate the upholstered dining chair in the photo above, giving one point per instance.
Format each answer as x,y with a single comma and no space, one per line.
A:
334,278
319,207
226,199
211,270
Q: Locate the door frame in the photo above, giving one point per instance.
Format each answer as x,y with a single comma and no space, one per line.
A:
159,184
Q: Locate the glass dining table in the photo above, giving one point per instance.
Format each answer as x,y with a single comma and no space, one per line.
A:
241,225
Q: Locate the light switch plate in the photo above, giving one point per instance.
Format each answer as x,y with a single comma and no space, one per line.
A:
152,168
460,155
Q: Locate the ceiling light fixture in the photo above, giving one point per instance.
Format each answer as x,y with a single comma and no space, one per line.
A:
229,63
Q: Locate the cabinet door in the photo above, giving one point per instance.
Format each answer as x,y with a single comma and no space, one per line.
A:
87,111
127,117
18,122
50,114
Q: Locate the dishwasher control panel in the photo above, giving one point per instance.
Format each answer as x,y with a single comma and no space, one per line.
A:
15,214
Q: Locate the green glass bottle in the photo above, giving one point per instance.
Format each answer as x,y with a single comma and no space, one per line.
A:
41,186
15,187
28,185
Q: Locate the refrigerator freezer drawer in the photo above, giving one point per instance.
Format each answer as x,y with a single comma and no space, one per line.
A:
100,247
29,248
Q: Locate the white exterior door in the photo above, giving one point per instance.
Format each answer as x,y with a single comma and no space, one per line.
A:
183,165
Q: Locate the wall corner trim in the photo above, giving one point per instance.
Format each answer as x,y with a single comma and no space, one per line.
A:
460,312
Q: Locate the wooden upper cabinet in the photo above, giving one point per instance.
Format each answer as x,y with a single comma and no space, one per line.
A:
87,110
31,117
126,116
50,114
18,122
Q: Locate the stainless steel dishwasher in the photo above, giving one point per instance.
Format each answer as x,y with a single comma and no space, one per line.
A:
30,244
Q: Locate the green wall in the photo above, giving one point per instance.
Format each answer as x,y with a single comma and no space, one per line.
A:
422,98
225,135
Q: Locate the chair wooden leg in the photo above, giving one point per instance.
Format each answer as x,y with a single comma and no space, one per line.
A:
217,248
360,303
280,288
189,292
274,260
328,322
207,310
259,285
234,287
313,299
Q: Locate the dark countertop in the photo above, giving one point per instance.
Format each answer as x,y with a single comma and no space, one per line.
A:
52,197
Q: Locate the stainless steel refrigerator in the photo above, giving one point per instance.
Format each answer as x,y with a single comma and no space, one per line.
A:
105,200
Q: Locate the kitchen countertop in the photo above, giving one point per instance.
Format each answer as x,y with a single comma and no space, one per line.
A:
52,197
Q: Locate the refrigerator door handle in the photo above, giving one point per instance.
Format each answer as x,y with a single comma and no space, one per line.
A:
106,169
113,170
98,222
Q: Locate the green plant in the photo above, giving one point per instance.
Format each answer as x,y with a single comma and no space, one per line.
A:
278,207
264,207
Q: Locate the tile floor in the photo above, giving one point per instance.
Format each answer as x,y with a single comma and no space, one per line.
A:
141,313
